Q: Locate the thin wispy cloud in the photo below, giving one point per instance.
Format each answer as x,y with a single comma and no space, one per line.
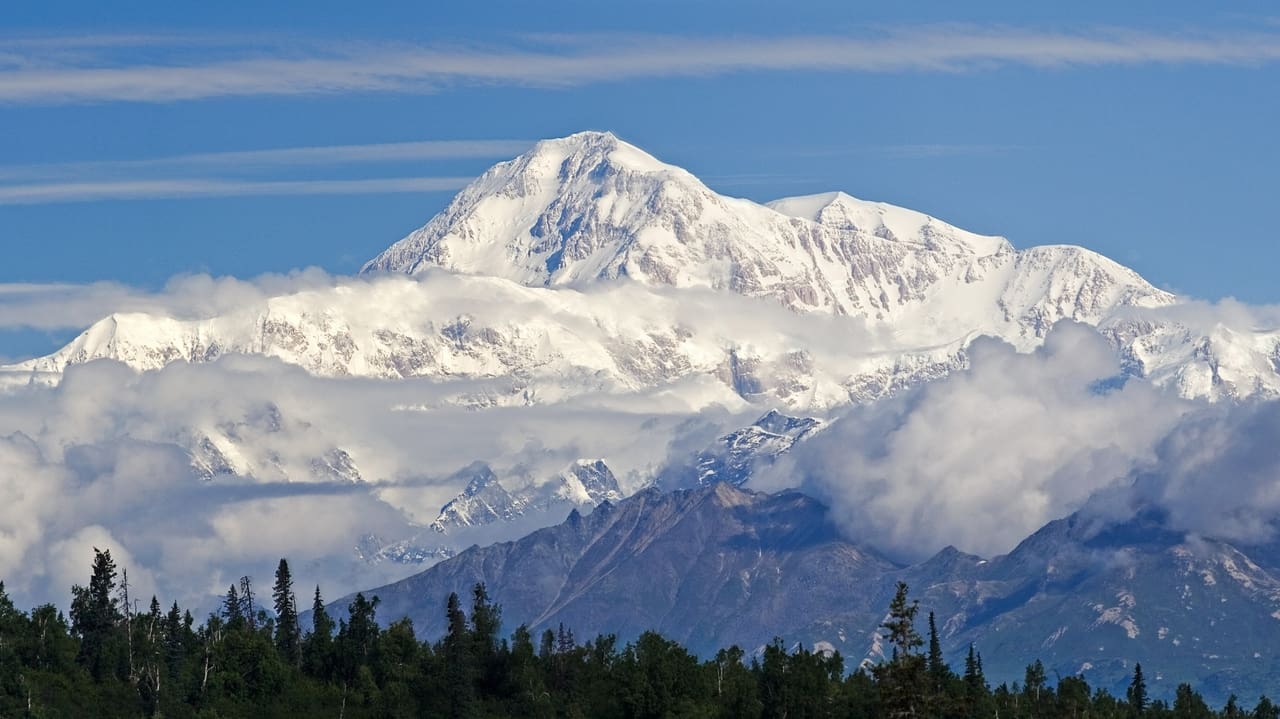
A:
927,151
577,60
46,193
905,151
250,160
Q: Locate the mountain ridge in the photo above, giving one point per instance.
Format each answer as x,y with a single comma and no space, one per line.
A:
568,212
583,222
719,565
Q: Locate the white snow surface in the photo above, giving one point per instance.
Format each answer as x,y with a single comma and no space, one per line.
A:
590,207
587,265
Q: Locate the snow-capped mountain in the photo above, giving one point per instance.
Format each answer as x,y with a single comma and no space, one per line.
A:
499,343
485,500
538,245
587,271
590,207
734,456
1216,362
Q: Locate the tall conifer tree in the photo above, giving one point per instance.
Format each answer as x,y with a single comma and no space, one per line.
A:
288,633
902,678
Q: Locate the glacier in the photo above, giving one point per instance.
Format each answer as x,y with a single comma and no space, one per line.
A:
587,265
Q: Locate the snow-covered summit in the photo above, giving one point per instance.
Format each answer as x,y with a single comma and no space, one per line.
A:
518,219
567,270
591,207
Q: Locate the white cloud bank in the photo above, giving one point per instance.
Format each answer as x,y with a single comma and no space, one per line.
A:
68,305
978,459
103,460
986,456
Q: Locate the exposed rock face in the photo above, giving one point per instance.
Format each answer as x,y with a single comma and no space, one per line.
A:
1090,598
737,455
706,566
485,500
718,565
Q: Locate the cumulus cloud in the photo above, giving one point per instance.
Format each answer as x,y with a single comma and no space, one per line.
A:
1216,474
66,305
1205,315
978,459
988,455
201,472
106,459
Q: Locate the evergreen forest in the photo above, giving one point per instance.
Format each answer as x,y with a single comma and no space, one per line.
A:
111,658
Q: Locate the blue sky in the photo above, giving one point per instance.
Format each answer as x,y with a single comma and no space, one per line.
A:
1145,132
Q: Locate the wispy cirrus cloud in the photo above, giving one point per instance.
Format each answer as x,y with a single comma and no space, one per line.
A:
928,151
222,174
271,159
53,192
43,76
206,174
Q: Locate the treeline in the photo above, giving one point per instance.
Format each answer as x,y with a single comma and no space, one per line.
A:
110,660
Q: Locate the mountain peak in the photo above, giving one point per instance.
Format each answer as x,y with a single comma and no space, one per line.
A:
587,152
585,137
589,207
482,477
571,209
841,211
727,494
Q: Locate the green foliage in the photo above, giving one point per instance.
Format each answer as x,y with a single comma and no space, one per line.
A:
903,679
109,661
288,632
1137,693
97,621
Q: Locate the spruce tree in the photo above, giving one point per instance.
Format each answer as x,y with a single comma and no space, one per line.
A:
565,642
458,659
902,678
95,618
937,666
13,626
233,608
973,678
486,620
1137,693
977,694
361,630
288,633
318,644
175,646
